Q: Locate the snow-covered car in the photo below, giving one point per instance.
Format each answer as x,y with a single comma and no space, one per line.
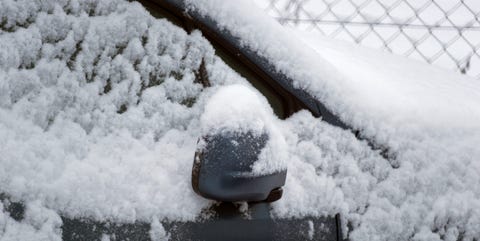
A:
104,103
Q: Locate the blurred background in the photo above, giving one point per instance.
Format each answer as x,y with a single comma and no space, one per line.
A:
445,33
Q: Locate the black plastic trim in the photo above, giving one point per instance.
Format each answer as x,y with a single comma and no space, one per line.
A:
227,223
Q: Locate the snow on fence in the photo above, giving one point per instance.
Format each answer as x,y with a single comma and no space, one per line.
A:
440,32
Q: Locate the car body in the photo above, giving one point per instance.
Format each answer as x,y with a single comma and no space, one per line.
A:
379,147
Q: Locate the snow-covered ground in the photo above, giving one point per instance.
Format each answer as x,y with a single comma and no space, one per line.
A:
100,112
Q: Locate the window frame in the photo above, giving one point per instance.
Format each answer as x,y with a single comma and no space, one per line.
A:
294,99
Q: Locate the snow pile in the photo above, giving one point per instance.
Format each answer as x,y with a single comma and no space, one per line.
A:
241,109
430,193
237,108
429,121
39,223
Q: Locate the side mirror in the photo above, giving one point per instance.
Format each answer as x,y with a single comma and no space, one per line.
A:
235,157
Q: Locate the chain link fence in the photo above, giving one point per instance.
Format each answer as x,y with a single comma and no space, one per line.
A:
440,32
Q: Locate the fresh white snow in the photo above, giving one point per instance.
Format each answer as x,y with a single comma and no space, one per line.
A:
100,114
242,109
39,223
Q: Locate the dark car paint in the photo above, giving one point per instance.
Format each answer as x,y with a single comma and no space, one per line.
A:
221,169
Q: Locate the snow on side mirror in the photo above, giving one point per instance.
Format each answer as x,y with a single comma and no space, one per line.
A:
241,154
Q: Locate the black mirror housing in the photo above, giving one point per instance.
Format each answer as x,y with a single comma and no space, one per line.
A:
222,169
